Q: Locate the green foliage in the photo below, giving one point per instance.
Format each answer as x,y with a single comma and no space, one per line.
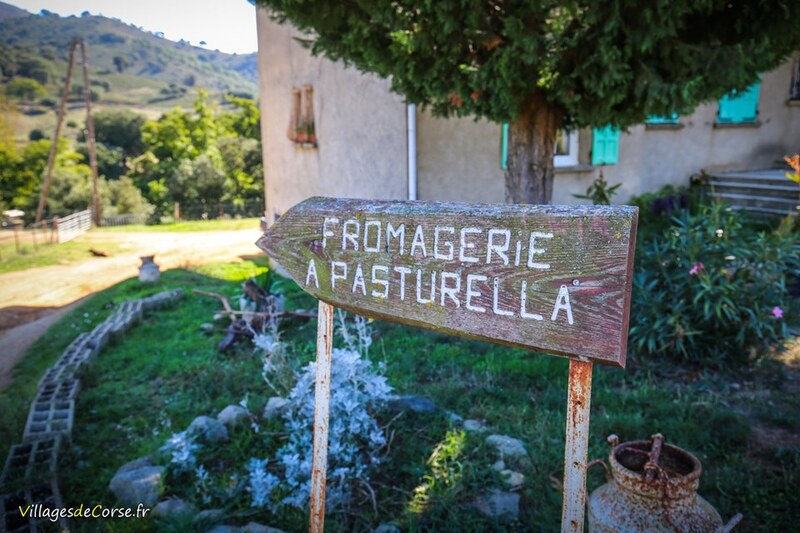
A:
36,135
120,63
599,192
200,179
120,128
712,290
126,198
71,186
656,209
245,122
595,62
25,89
34,68
21,173
110,160
201,157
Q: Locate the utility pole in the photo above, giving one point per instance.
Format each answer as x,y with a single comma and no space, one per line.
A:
90,144
51,159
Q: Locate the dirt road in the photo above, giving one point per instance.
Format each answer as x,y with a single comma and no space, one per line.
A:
32,300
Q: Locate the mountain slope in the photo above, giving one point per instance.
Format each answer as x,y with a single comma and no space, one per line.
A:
9,11
116,48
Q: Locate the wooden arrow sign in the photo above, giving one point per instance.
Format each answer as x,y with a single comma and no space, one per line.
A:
551,278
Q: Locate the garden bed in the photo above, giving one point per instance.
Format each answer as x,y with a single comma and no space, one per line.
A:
743,425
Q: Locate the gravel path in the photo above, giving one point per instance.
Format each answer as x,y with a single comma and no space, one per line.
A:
32,300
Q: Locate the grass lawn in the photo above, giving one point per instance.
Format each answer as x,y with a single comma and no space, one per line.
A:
31,256
189,225
743,426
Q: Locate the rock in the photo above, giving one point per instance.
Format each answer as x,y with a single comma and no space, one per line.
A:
147,460
474,425
275,407
415,404
209,517
455,418
208,429
207,327
255,527
513,480
386,528
233,415
499,466
173,508
507,447
503,506
135,484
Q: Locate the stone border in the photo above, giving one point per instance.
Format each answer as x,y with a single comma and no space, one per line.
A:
29,472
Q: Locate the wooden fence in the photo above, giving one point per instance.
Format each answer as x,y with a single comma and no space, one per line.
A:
73,225
124,220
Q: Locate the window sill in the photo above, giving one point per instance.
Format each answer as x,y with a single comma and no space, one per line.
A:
793,103
728,125
305,146
663,126
570,169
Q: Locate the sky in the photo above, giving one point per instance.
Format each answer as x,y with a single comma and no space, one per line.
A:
227,25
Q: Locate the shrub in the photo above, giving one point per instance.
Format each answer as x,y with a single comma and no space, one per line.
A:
25,89
354,435
36,135
710,289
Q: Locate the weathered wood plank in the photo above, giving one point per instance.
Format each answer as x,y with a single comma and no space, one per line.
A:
550,278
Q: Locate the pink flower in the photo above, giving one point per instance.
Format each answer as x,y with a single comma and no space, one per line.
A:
696,269
777,312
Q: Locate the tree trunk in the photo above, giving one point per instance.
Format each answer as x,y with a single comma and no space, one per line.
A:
529,160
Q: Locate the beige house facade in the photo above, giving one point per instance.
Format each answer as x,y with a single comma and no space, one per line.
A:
331,130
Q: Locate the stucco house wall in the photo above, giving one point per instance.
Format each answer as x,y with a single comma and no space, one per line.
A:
362,134
360,125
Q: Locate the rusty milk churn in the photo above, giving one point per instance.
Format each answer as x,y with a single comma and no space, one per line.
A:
652,487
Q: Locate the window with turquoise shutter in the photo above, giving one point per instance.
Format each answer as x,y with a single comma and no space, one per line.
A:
739,106
662,119
605,146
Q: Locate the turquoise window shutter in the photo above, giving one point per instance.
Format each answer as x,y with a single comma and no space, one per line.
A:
504,147
662,119
739,106
605,146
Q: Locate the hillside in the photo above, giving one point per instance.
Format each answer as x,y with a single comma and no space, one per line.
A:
9,11
144,54
129,67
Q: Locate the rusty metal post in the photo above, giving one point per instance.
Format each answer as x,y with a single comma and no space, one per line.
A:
579,398
322,398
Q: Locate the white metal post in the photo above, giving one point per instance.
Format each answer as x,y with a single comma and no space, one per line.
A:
322,398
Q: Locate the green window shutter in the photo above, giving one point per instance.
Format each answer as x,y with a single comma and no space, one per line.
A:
504,147
739,106
605,146
662,119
